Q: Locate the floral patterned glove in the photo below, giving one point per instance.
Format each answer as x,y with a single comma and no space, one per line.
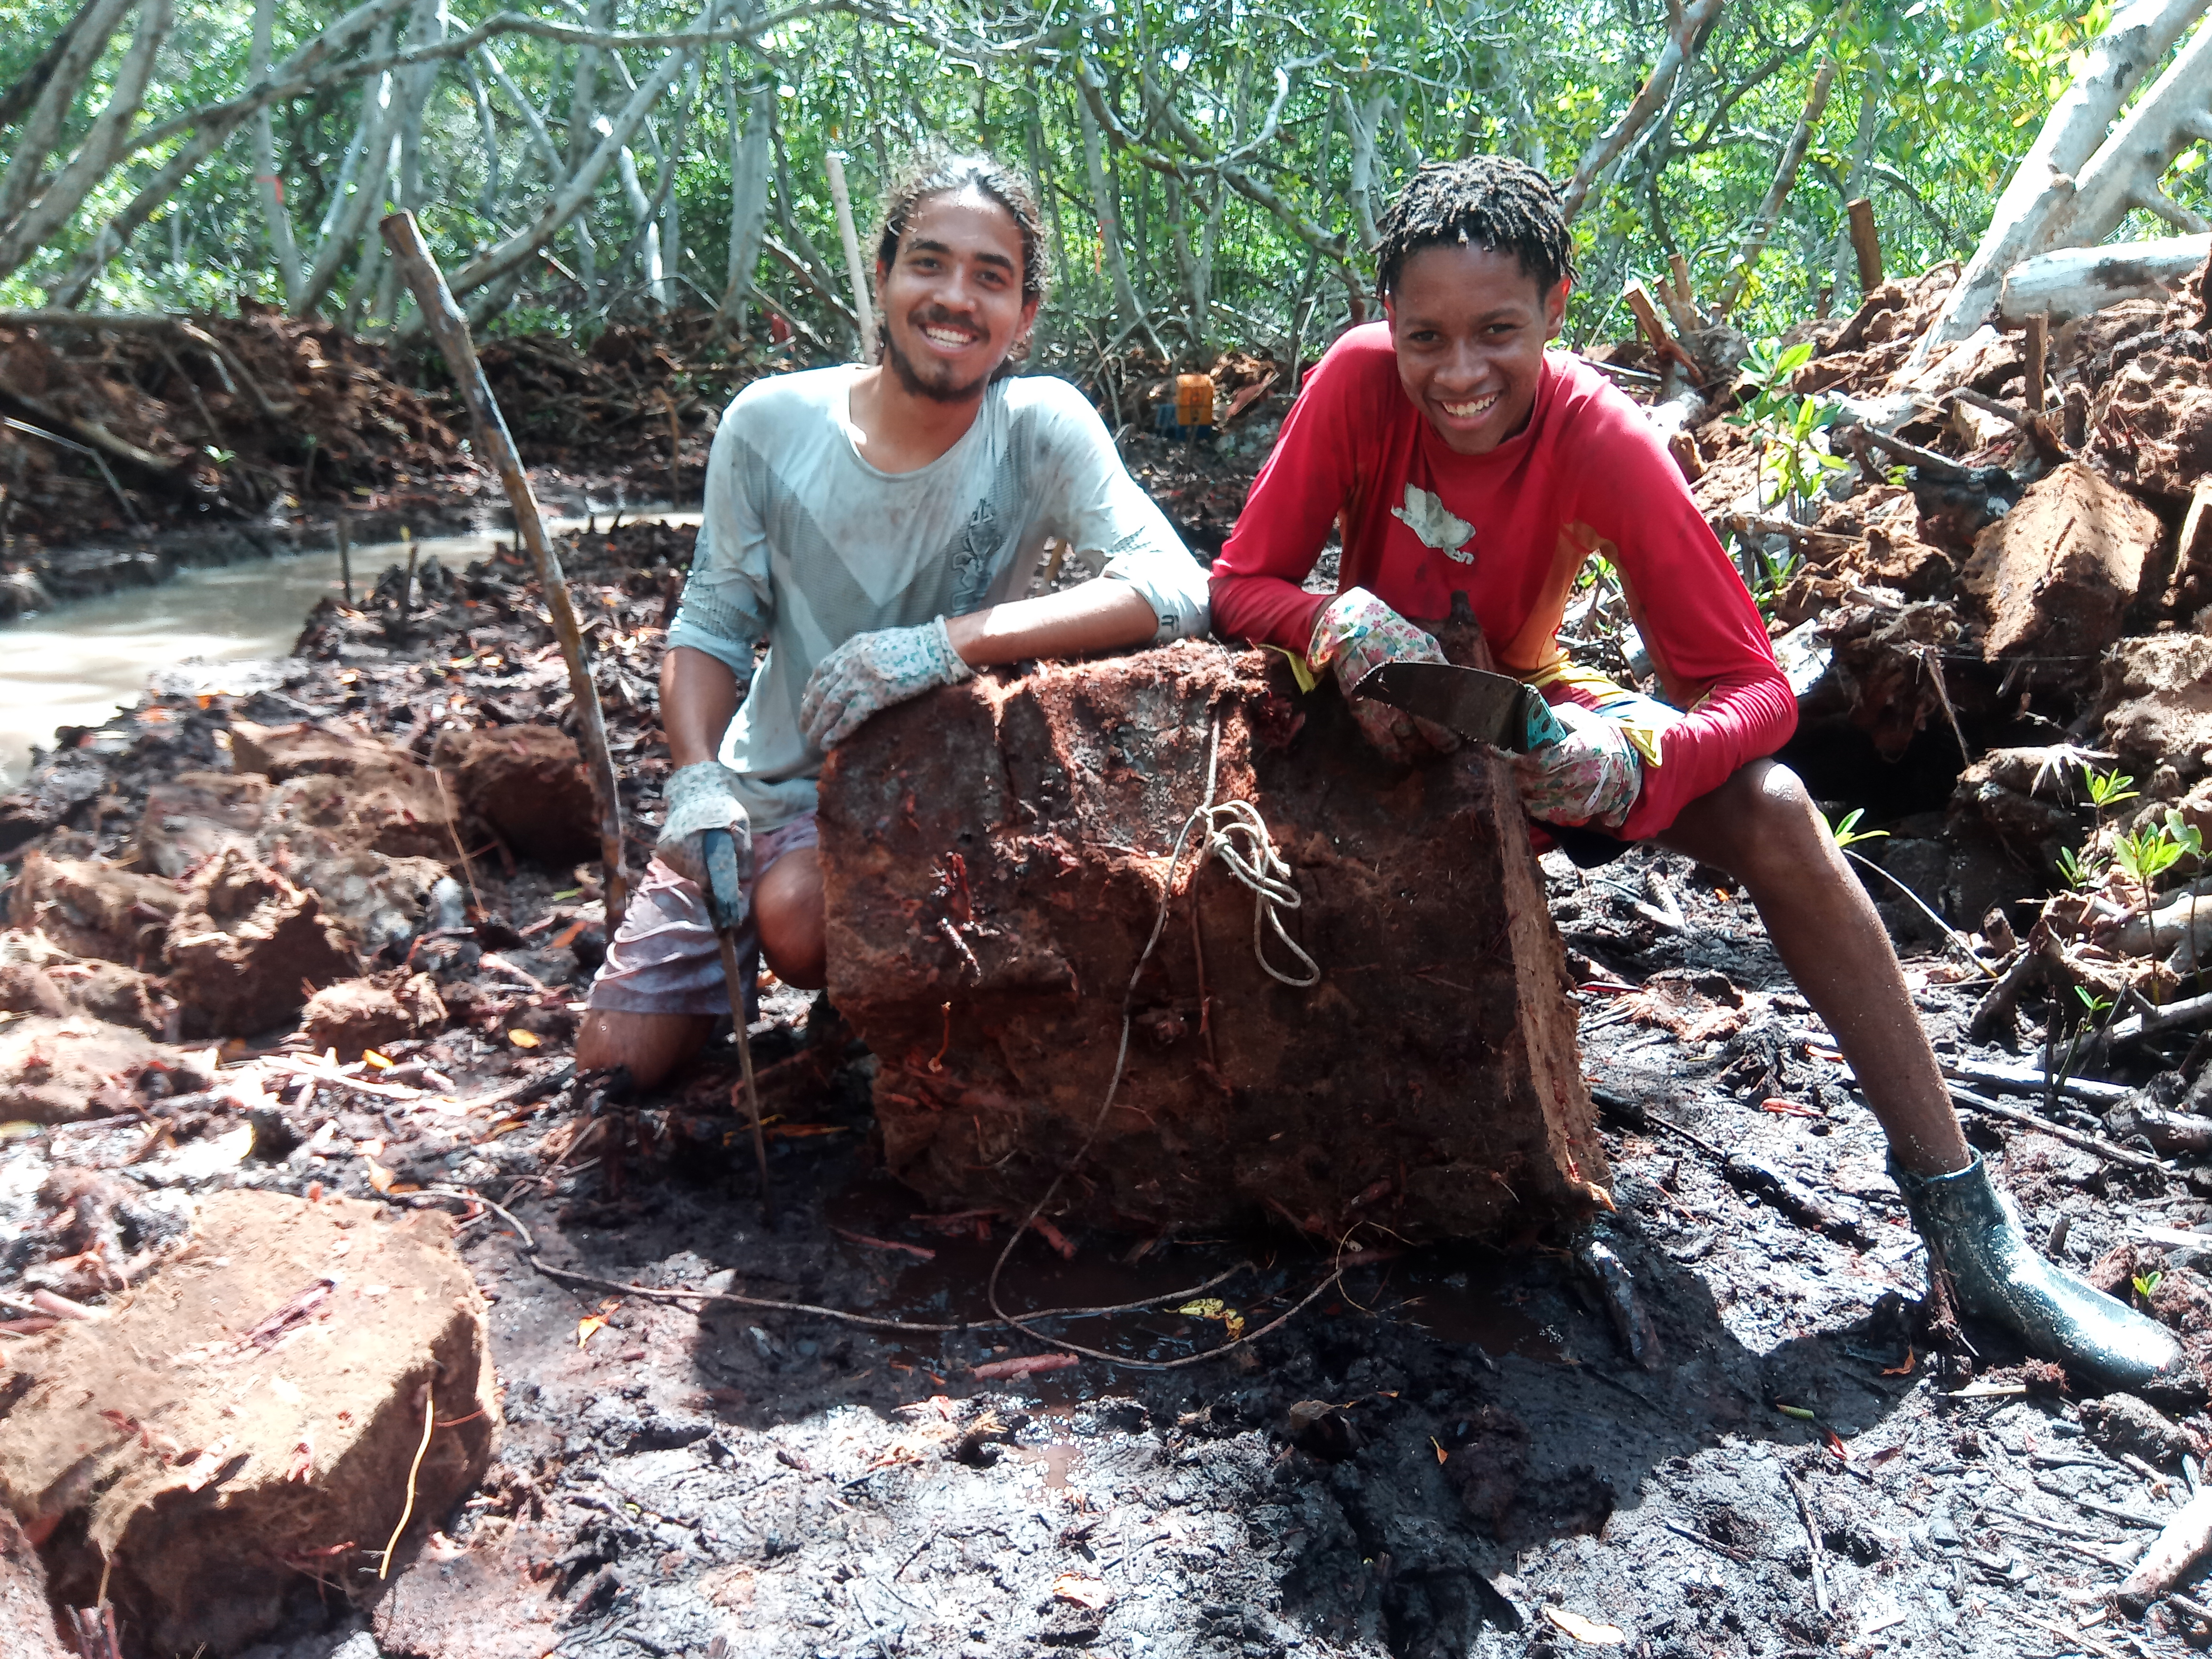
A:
1594,777
1355,633
871,672
700,798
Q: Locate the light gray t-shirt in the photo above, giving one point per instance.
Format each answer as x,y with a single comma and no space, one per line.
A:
806,543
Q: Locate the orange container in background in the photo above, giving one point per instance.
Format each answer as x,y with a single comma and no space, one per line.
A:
1194,400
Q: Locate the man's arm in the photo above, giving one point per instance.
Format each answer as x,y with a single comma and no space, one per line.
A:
1099,616
698,700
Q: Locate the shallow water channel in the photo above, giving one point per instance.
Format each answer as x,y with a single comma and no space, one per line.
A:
77,663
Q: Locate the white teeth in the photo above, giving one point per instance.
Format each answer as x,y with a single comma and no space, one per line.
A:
1466,410
945,337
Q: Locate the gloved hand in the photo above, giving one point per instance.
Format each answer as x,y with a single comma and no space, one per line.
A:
1355,633
871,672
701,798
1594,777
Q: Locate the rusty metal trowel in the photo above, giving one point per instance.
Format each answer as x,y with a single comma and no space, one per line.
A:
1491,709
725,908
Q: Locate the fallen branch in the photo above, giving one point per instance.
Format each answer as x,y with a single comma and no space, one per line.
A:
2195,1010
2096,1144
2187,1536
2030,1080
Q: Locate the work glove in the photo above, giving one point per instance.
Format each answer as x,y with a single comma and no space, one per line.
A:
1355,633
871,672
701,797
1592,777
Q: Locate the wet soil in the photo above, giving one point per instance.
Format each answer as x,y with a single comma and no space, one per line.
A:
1451,1451
1450,1444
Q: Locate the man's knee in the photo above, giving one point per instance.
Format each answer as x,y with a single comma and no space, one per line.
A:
650,1046
787,910
1762,823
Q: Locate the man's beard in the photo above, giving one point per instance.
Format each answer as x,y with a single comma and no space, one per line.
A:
910,377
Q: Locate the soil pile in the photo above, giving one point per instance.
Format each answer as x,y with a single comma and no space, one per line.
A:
163,421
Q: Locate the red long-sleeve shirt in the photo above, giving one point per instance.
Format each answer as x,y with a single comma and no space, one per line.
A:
1513,529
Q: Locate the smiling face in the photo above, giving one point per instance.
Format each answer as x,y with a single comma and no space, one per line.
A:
1469,327
952,299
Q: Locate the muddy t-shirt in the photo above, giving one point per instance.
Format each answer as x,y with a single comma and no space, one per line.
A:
807,544
1513,529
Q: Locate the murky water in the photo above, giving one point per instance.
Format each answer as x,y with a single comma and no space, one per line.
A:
77,664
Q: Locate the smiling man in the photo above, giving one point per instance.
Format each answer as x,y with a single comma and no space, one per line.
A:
877,526
1456,455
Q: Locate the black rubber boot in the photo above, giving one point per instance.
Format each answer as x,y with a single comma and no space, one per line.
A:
1974,1239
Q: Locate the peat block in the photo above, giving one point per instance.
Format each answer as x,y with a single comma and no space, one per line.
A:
247,1424
996,855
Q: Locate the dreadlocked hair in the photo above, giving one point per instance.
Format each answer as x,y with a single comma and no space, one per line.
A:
945,172
1490,201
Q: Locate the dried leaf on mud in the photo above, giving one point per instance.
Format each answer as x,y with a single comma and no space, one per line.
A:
1027,1365
1089,1592
1587,1630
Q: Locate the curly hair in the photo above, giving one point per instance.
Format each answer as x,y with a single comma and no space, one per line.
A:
1490,201
944,173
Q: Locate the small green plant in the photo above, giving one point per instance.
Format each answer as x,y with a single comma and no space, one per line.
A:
2076,872
2147,1285
2146,853
2107,789
1798,464
1795,461
1845,831
1766,368
2095,1004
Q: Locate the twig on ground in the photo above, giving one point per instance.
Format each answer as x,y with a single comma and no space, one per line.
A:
2028,1079
1818,1550
2096,1144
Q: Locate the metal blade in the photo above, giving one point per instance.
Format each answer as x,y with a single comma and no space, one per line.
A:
1493,709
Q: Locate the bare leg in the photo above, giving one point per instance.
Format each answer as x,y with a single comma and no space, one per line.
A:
787,910
1762,828
650,1045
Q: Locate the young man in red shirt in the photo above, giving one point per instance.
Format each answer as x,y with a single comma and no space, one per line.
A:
1456,455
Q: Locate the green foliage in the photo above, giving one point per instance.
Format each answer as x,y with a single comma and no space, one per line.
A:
1959,88
2146,853
2147,1285
1845,831
2077,871
2107,789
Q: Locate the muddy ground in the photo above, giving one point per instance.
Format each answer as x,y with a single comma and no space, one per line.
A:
1452,1442
1451,1451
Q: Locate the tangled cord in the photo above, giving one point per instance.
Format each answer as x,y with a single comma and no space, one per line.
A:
1260,867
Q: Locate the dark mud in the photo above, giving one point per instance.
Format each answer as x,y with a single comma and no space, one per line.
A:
1452,1451
1451,1444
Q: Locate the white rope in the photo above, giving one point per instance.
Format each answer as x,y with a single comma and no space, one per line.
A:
1237,836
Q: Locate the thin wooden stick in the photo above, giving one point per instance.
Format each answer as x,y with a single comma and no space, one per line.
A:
2038,353
858,272
497,445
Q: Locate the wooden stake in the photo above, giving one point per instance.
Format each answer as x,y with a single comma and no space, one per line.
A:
675,450
1655,329
496,445
2039,356
407,587
1865,242
1681,298
854,269
345,557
